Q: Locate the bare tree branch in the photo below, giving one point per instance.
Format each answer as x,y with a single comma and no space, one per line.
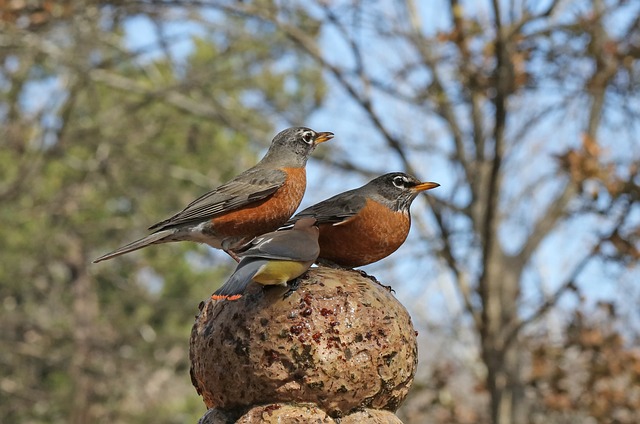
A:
444,106
489,225
547,222
569,283
446,252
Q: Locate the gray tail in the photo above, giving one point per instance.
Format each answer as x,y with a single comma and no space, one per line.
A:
154,238
233,288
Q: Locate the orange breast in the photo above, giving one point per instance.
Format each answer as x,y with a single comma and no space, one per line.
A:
265,215
375,233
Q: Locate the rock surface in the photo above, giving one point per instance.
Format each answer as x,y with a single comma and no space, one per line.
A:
298,414
342,342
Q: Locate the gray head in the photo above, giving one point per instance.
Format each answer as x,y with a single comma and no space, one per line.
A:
308,223
292,147
397,190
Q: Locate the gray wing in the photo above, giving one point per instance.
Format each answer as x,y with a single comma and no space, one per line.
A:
239,280
335,209
286,245
248,187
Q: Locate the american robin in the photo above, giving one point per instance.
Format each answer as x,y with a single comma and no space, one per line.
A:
257,201
274,258
364,225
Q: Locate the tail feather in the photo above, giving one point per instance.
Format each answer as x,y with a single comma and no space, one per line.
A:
234,287
138,244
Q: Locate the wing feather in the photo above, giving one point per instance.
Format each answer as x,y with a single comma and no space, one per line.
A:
250,186
334,210
285,245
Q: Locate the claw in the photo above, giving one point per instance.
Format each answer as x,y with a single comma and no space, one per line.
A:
375,280
293,287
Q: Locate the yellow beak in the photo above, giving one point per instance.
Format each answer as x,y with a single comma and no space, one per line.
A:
426,186
323,136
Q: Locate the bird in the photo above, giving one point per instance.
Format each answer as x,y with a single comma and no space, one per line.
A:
274,259
255,202
361,226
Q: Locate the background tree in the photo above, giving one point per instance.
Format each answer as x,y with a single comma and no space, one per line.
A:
516,106
92,131
526,112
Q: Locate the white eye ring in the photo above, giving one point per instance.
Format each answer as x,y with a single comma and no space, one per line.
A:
399,181
307,137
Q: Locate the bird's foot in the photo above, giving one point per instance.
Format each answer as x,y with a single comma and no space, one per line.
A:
375,280
293,286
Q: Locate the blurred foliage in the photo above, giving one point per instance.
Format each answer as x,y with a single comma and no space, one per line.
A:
98,142
594,373
528,111
588,370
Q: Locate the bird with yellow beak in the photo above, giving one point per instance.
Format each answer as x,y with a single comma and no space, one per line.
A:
366,224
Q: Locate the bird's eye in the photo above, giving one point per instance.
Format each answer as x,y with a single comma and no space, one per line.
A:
399,181
307,137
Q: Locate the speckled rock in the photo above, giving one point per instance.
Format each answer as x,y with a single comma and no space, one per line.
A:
277,413
341,342
371,416
284,413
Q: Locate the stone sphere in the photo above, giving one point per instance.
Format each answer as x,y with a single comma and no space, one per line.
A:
284,413
298,414
341,342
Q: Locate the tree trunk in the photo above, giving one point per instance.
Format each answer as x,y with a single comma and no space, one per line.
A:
503,360
85,310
